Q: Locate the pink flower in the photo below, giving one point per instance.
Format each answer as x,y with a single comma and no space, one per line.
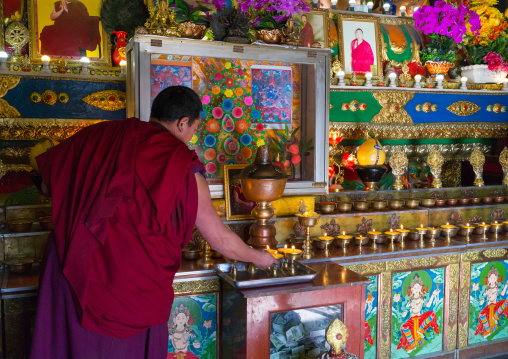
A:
211,167
295,159
239,158
217,76
205,100
229,82
260,127
286,164
232,146
248,100
239,72
504,67
293,149
221,158
237,112
217,112
493,60
207,324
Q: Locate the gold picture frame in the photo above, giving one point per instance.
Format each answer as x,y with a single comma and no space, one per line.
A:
348,24
101,56
234,212
318,21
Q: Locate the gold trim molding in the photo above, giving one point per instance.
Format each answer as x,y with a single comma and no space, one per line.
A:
197,286
33,129
7,110
8,83
450,130
393,103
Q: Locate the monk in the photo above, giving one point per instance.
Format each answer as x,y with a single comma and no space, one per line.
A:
307,32
126,196
362,57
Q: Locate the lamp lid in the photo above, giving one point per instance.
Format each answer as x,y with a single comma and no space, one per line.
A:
262,168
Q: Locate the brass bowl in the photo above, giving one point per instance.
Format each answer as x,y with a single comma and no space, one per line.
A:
319,244
262,190
453,232
326,207
396,203
379,205
338,242
381,239
487,199
412,203
344,206
19,225
297,242
479,230
414,235
361,205
463,200
46,223
191,254
492,228
428,202
19,266
499,199
363,241
440,202
452,201
475,200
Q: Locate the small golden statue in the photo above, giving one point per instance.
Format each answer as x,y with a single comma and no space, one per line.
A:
336,336
435,162
399,163
292,34
503,160
162,20
477,160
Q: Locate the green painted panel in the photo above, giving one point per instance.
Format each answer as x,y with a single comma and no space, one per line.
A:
338,115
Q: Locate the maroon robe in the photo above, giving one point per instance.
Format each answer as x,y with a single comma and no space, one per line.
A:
124,205
308,35
362,56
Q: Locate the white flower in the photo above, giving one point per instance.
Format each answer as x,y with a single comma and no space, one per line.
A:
476,286
396,298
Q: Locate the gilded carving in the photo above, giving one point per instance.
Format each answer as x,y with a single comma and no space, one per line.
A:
423,262
435,162
397,265
398,162
471,256
367,268
503,160
197,286
463,332
7,111
464,303
384,336
8,83
452,337
49,97
494,253
108,100
453,284
359,131
393,103
451,172
463,108
477,161
449,259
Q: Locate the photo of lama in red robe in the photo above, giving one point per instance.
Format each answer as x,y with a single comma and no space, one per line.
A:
362,57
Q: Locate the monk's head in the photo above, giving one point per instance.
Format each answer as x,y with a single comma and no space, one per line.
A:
325,4
178,108
359,34
304,19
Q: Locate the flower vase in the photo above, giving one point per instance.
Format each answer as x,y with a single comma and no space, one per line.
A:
481,74
119,53
273,36
438,67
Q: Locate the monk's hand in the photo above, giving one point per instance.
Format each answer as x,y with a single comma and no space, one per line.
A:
265,260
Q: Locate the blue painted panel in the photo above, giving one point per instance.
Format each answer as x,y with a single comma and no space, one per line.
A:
444,100
76,108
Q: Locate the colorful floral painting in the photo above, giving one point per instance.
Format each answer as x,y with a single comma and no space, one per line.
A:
272,93
488,308
417,313
192,327
371,318
165,73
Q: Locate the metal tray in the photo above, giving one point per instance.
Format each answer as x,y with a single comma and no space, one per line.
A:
262,278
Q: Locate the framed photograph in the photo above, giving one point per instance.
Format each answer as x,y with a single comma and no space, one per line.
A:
360,44
237,206
314,29
192,327
69,29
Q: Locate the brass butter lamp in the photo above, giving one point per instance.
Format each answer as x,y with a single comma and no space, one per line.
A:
262,182
485,228
468,229
326,240
403,234
292,255
422,231
496,227
391,234
448,228
374,235
308,220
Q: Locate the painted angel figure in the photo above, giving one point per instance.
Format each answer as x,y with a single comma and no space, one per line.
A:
180,333
494,310
415,328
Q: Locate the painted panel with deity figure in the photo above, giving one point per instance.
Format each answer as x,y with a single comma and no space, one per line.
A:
371,300
488,305
192,327
417,313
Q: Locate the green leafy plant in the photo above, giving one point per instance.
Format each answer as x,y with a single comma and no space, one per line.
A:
269,23
196,14
439,49
475,53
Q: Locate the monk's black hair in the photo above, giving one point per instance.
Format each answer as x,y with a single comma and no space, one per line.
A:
176,102
358,29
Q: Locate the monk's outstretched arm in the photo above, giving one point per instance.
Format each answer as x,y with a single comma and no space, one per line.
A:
219,237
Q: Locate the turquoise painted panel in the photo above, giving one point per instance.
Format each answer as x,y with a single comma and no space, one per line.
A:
417,313
488,307
444,100
192,327
371,301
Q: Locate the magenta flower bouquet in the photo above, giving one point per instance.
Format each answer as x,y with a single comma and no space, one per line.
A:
446,26
279,11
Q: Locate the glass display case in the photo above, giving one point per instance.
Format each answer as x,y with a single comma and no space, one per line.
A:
251,95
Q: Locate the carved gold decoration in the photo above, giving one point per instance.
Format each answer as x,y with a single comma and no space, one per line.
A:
397,265
426,107
452,336
471,256
162,20
109,100
503,160
494,253
359,131
418,108
393,104
345,106
449,259
477,161
353,105
17,35
197,286
423,262
453,282
451,172
465,283
8,83
336,330
35,97
367,268
463,335
463,108
49,97
63,97
435,162
7,111
398,162
386,315
30,129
